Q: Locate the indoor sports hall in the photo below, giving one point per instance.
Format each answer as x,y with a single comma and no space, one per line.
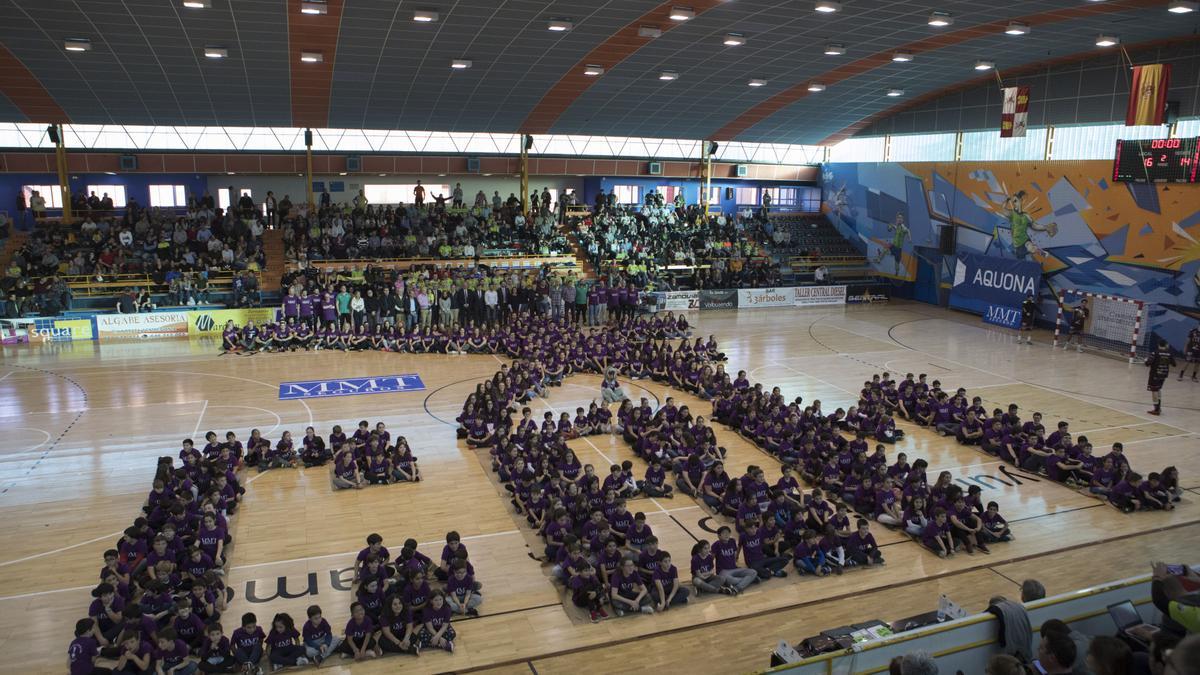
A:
707,337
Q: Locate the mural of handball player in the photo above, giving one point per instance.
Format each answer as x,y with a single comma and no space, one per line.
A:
1020,223
896,247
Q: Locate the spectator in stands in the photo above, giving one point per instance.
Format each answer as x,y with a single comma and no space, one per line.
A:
37,204
1057,653
1109,656
1032,589
918,663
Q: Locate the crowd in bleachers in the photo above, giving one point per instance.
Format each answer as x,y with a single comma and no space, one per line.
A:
176,251
436,228
805,236
719,251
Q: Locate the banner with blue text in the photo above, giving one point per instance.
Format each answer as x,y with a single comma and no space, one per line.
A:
350,386
982,281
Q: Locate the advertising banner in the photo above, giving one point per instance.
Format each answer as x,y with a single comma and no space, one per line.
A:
719,299
812,296
677,301
999,315
145,326
753,298
869,295
212,321
981,281
350,386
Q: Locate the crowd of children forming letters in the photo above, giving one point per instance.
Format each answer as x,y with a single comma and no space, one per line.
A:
158,607
159,604
609,558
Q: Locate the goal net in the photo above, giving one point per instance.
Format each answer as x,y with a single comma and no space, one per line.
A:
1113,326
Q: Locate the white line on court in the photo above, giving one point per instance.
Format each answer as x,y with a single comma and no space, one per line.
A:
200,419
59,550
7,374
1156,438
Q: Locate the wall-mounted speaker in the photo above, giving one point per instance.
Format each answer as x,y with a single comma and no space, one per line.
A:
472,165
52,132
728,193
308,138
353,163
128,162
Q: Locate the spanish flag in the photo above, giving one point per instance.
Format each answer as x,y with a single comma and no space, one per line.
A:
1148,94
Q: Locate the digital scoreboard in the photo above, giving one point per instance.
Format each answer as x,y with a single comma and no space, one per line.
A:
1157,160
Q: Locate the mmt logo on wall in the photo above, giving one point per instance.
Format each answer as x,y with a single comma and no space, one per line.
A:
984,283
350,386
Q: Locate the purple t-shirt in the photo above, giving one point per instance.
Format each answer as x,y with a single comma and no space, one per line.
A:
357,631
80,654
243,639
725,553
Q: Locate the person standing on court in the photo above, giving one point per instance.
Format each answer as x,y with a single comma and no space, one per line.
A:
1159,363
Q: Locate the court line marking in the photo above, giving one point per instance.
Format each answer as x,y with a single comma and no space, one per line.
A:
99,407
1157,438
57,550
200,419
354,553
19,452
5,377
274,387
278,419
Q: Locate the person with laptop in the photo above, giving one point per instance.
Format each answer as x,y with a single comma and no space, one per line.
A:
1168,589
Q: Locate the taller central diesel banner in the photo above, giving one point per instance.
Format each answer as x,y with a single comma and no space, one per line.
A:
983,284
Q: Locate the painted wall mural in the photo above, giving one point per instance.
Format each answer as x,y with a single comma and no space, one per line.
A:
1087,232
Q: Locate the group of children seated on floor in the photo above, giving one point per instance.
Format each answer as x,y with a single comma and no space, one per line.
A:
368,457
1024,443
158,606
294,334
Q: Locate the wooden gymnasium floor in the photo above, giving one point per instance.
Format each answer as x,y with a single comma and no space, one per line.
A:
84,422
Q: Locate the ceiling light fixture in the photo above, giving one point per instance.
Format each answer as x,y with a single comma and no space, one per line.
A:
893,93
984,65
342,173
816,87
312,57
1182,7
215,52
734,39
668,75
649,31
425,16
197,4
682,14
593,71
461,64
1017,28
940,19
313,7
835,49
77,45
560,25
902,57
827,6
757,83
1107,40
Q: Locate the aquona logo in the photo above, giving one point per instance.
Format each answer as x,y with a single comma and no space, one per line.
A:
1004,281
205,322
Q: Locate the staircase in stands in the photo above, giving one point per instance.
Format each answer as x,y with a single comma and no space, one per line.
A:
13,244
272,274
